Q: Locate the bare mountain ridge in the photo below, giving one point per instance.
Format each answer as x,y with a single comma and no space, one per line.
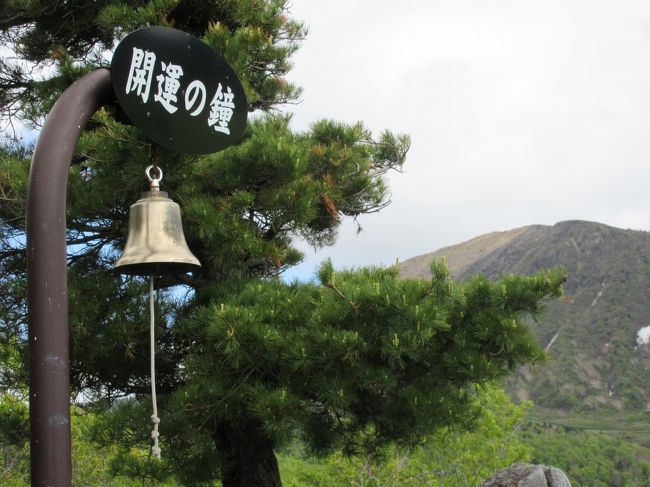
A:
591,334
460,256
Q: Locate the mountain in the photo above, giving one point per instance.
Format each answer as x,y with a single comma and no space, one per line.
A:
596,359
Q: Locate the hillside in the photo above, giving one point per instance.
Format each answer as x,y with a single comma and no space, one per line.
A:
595,362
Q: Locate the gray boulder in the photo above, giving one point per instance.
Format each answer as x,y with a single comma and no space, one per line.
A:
528,475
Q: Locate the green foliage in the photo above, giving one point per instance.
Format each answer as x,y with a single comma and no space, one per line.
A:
298,471
126,428
14,440
591,459
245,204
91,464
450,457
357,363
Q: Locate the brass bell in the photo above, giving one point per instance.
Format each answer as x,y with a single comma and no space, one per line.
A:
155,244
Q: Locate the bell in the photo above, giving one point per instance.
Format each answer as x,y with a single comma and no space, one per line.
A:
155,244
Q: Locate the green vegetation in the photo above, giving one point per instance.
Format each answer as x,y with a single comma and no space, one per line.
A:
356,364
630,427
448,458
591,459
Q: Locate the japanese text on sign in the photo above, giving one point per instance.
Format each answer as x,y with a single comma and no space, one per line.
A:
168,79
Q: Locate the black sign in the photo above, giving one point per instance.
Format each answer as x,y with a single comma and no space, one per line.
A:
178,91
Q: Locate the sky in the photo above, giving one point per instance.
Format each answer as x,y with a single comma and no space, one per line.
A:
520,112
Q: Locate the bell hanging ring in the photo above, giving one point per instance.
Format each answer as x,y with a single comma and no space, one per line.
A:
154,183
155,244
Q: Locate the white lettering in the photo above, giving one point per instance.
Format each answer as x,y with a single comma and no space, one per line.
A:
168,85
195,89
221,110
140,73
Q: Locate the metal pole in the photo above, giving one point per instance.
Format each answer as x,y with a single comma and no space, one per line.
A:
47,299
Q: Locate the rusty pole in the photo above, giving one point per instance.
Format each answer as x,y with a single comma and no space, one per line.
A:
47,299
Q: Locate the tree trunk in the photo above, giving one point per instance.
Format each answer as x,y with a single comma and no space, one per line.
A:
247,458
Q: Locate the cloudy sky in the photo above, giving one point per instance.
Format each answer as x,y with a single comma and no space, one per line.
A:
520,112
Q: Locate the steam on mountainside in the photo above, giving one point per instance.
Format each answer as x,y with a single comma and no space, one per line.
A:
599,355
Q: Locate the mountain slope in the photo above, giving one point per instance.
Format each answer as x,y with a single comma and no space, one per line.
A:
591,334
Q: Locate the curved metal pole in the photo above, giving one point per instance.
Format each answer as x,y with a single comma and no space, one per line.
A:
47,298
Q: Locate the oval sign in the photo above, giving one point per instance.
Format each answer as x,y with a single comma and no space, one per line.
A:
178,91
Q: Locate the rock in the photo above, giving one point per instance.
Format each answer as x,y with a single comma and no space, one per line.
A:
557,478
528,475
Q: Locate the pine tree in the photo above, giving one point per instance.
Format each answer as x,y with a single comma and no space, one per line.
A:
245,361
